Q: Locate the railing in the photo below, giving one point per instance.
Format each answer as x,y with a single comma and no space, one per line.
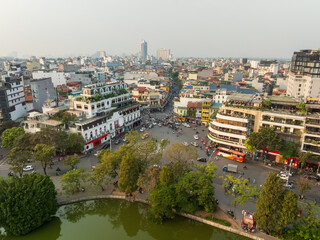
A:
222,139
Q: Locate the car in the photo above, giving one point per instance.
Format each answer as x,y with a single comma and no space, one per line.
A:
150,126
96,154
194,144
202,159
196,137
28,168
154,124
283,176
286,173
164,124
187,125
142,129
160,125
186,144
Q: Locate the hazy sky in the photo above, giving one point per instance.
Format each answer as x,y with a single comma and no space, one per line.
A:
199,28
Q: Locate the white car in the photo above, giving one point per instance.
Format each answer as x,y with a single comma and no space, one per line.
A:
160,125
194,144
28,168
196,137
187,125
142,129
186,144
286,173
283,176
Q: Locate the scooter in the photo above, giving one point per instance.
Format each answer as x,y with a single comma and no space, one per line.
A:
231,213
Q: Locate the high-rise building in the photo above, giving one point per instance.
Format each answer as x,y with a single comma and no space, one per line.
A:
304,75
144,49
243,60
163,54
12,99
42,92
102,54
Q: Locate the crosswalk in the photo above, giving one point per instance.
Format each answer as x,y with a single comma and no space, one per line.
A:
4,161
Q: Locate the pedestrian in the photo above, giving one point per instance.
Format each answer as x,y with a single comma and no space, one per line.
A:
254,180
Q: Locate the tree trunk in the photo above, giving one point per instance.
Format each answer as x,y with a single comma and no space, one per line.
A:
45,168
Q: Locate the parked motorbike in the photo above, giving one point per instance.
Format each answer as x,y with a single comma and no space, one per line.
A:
231,213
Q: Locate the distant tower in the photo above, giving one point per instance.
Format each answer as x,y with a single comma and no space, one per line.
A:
144,49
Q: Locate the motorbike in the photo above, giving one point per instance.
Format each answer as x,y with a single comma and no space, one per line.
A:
231,213
245,167
10,174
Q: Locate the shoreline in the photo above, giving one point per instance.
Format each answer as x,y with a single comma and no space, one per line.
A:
190,216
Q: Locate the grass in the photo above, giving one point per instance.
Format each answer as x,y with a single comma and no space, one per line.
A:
217,220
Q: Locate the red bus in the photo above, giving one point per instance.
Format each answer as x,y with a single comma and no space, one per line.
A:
231,154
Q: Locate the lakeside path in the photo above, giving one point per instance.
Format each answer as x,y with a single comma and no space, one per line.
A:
92,193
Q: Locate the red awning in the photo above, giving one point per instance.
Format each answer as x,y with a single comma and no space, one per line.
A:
97,139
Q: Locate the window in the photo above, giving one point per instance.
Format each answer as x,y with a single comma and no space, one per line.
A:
85,107
79,106
299,85
92,107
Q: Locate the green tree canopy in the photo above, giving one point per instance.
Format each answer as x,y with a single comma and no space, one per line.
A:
10,135
266,104
304,157
266,138
288,150
129,174
72,179
75,143
302,107
18,159
26,203
72,160
270,215
44,154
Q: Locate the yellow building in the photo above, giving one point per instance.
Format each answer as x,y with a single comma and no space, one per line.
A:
205,112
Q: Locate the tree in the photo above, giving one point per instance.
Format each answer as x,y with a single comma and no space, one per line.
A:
289,211
276,208
308,226
178,152
129,174
166,176
10,135
240,189
67,117
18,158
44,154
304,185
75,143
8,124
26,203
150,178
266,138
162,200
266,104
302,107
46,135
72,160
303,157
71,180
25,141
269,203
288,150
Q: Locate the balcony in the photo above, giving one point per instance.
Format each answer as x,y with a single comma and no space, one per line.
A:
224,140
231,134
224,125
233,117
281,124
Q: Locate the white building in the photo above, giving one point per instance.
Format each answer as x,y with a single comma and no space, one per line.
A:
163,54
58,78
221,96
12,99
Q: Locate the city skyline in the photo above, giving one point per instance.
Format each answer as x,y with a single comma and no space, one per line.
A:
253,29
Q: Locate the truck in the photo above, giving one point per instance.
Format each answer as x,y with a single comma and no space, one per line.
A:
230,168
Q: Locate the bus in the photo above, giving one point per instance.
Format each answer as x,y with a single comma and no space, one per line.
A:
231,154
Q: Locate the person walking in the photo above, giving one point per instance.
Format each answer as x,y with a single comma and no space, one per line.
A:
254,180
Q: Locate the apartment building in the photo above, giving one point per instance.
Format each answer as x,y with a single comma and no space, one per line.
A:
304,75
235,120
57,78
102,111
12,99
42,91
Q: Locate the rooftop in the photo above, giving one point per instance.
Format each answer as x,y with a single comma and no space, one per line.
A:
241,97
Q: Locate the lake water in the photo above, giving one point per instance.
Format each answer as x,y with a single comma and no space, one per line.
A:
119,219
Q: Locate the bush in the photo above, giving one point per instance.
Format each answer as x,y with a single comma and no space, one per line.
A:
219,221
26,203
